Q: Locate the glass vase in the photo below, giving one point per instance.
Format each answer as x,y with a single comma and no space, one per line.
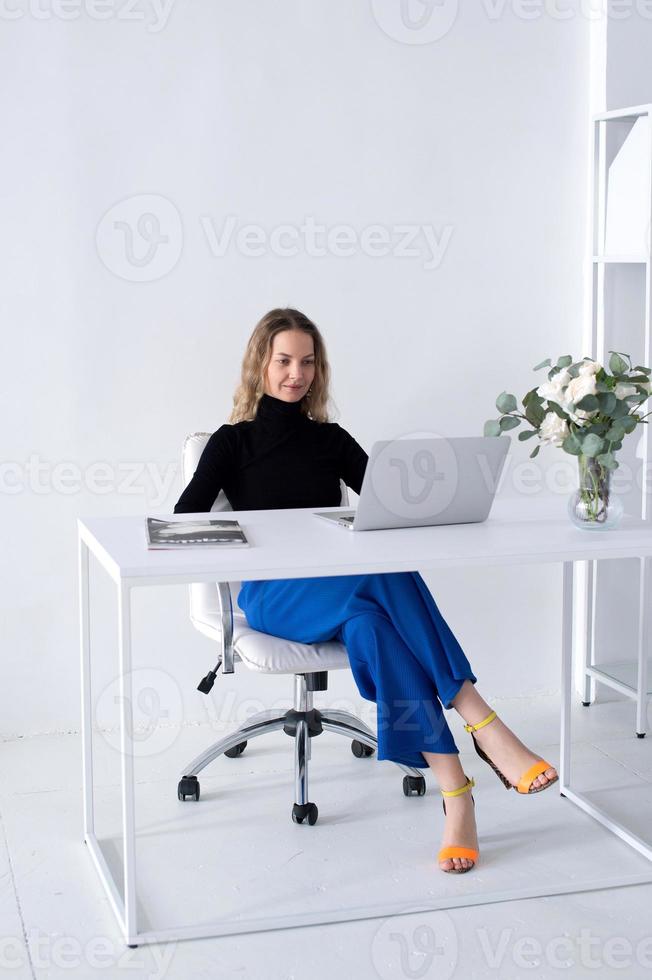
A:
593,506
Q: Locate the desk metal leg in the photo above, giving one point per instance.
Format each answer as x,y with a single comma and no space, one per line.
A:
86,705
643,647
90,839
580,799
124,907
127,762
566,674
588,640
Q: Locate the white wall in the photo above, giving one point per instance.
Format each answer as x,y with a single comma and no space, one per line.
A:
271,113
629,43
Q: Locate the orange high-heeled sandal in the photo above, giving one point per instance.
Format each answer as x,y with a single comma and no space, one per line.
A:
453,850
528,777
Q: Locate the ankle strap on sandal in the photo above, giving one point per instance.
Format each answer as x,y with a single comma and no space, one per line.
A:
481,724
470,783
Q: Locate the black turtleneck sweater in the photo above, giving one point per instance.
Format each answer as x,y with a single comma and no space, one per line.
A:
279,459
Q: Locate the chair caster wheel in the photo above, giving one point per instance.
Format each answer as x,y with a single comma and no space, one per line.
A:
414,784
587,704
309,810
361,750
236,750
640,734
188,787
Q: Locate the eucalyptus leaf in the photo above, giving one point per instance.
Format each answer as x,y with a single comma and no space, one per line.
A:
592,445
616,432
608,460
509,422
558,410
506,403
532,397
624,356
543,364
572,445
534,413
620,409
589,403
629,423
564,361
526,434
606,401
617,365
535,451
643,370
492,428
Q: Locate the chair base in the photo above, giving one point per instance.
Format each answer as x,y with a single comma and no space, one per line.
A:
302,723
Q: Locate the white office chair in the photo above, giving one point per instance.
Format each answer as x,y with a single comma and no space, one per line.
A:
212,613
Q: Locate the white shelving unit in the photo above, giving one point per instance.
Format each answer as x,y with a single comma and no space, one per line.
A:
631,677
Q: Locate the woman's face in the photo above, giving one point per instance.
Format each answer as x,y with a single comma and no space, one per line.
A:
291,367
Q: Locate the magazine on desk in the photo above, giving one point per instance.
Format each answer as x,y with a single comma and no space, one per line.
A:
210,533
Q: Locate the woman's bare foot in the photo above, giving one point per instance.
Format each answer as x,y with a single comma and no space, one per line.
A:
459,821
509,754
499,742
459,829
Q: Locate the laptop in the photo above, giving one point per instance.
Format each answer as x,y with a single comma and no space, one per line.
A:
424,482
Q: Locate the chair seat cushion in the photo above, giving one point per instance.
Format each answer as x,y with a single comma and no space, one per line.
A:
269,654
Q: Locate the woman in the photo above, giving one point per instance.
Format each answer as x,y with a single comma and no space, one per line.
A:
279,450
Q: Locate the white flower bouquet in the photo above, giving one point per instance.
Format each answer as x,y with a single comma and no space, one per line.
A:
586,411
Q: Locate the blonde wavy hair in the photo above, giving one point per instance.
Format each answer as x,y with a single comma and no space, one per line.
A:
257,356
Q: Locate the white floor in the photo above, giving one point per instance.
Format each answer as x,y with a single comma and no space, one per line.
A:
237,855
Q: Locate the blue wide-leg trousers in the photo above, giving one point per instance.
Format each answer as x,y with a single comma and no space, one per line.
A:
403,655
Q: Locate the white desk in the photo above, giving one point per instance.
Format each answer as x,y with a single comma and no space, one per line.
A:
294,544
